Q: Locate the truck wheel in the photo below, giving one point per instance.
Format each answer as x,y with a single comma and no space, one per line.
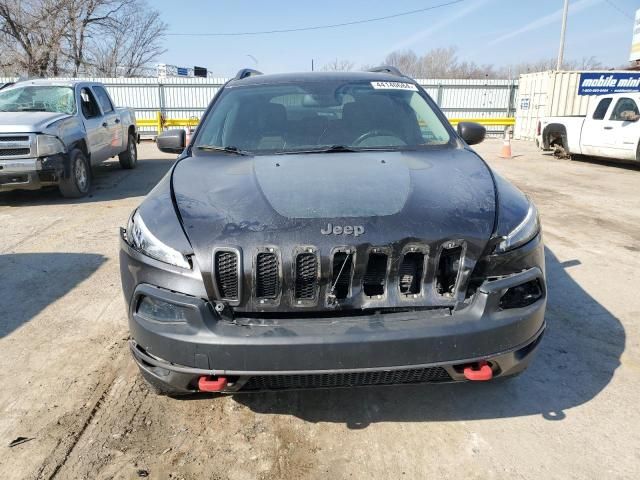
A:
78,183
129,158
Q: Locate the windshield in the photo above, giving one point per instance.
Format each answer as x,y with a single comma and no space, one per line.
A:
38,98
319,116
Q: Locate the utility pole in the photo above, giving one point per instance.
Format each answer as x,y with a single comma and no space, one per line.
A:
565,11
312,64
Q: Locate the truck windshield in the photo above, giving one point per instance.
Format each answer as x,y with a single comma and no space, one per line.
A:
38,98
334,116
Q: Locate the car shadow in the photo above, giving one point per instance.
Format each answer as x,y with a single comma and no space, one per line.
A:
29,282
110,182
576,360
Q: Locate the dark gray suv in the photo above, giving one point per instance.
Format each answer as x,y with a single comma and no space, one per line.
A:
330,230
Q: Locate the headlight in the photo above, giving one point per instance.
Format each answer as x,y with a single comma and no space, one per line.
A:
141,238
525,231
48,145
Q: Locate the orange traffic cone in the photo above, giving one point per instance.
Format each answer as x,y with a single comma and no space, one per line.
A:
506,145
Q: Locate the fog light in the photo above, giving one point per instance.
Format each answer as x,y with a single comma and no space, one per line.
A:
158,310
522,295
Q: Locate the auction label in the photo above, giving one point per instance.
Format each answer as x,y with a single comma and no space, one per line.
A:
394,86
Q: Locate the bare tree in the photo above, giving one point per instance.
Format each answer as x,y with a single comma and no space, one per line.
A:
54,37
437,63
32,30
444,63
406,61
129,44
86,19
586,63
338,66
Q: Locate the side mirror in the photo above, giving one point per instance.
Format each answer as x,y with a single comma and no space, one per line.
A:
471,132
629,116
171,141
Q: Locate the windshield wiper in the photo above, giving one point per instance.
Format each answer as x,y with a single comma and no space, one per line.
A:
217,148
330,149
32,110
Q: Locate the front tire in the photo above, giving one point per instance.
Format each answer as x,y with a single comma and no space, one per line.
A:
78,183
129,158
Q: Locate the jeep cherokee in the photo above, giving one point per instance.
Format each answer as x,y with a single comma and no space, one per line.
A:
330,230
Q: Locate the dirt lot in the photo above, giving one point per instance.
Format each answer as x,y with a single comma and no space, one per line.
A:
70,388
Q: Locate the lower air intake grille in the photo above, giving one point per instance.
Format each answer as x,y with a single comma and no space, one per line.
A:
226,270
376,275
354,379
267,275
306,276
411,273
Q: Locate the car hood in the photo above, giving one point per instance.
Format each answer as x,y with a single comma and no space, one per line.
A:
28,122
286,200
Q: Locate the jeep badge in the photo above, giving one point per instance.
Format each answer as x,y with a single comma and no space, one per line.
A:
355,230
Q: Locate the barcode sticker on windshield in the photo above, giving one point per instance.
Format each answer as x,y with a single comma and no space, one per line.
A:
394,86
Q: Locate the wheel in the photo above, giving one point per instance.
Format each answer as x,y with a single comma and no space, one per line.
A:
129,158
560,153
638,152
78,183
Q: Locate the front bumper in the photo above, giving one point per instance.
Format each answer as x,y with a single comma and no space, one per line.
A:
31,173
206,345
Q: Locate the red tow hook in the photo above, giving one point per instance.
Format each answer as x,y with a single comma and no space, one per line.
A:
482,373
212,384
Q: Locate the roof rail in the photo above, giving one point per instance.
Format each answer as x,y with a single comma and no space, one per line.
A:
387,69
245,73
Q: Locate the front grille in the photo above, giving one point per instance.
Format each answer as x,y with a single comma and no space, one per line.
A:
299,278
410,274
12,152
341,277
376,275
15,138
352,379
306,273
226,274
448,270
267,275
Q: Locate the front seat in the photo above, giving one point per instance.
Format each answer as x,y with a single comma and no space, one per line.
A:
272,126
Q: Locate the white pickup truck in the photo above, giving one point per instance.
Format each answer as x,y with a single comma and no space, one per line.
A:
610,129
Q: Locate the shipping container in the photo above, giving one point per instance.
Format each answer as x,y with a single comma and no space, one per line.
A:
548,94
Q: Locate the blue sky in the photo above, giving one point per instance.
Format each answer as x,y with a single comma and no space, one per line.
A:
499,32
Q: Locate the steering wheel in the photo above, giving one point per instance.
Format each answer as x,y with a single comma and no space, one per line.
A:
376,133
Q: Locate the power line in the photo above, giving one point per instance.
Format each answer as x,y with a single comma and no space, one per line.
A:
318,27
623,12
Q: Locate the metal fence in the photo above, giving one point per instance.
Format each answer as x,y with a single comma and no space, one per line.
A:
187,98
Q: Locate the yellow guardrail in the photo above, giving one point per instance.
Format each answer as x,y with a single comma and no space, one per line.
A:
488,122
160,122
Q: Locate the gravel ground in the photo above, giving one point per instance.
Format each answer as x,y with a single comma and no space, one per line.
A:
71,390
